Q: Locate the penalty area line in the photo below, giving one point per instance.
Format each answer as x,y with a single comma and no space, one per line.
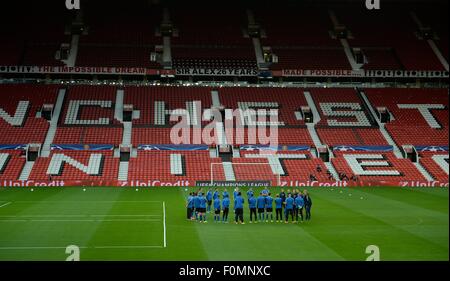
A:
6,204
83,247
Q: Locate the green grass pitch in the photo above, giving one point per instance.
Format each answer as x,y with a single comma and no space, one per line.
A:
150,224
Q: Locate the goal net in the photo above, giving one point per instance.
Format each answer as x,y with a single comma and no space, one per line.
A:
255,173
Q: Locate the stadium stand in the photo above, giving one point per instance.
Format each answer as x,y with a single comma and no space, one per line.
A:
429,129
11,164
392,30
195,166
392,169
158,38
435,163
76,165
19,113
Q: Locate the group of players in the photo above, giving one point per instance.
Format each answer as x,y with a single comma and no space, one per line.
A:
287,204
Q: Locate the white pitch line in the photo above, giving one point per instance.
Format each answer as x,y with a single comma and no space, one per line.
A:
92,247
164,223
87,201
126,247
35,248
6,204
81,220
75,216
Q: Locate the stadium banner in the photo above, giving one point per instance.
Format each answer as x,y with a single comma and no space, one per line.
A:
319,73
233,184
275,148
359,73
375,148
423,148
93,147
216,72
181,147
73,70
188,183
13,146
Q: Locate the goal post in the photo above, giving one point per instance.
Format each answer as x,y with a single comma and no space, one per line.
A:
243,172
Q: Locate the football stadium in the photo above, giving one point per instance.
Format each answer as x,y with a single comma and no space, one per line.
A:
235,131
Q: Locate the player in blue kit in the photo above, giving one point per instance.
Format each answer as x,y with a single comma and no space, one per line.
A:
209,199
239,208
250,193
215,194
190,206
226,209
252,206
202,208
278,208
225,193
261,205
269,208
289,208
299,203
196,200
217,209
236,192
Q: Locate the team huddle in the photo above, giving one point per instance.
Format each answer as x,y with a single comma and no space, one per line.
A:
290,204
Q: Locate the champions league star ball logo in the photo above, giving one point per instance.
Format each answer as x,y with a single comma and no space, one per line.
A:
73,4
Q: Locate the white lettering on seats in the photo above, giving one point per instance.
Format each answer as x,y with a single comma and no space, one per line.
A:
375,160
19,117
58,160
442,161
345,110
74,108
425,110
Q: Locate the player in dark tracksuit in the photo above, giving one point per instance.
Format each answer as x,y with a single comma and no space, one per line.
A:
283,197
308,205
269,208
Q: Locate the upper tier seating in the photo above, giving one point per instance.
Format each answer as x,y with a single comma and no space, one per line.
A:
295,27
209,57
310,58
393,29
203,26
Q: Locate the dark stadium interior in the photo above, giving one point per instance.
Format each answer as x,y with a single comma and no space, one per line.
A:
319,63
115,116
